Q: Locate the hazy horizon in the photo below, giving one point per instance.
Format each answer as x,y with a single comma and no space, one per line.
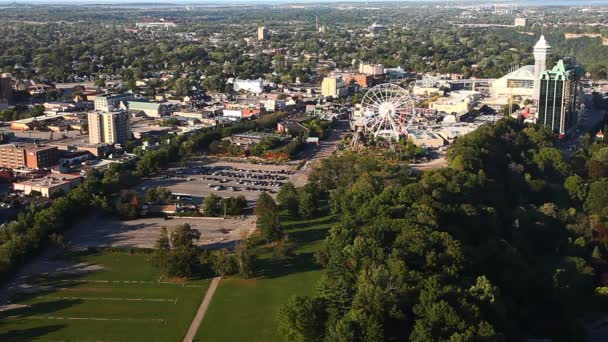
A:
194,2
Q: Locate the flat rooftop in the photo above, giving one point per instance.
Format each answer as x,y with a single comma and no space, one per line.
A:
51,180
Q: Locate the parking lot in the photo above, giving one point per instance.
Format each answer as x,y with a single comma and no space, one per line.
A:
102,231
225,179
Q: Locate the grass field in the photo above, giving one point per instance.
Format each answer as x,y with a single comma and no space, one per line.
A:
122,302
246,310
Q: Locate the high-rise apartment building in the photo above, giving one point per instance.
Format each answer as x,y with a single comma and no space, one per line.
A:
262,33
559,93
6,88
334,87
109,127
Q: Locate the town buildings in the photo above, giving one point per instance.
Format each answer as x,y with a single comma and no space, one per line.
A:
334,86
19,156
558,103
374,70
362,80
252,86
109,127
520,22
110,102
524,81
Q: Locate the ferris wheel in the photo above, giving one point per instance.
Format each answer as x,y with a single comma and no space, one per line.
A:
387,111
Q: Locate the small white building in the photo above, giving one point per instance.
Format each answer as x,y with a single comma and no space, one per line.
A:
251,86
49,184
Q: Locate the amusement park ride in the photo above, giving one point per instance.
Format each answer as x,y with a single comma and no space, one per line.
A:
387,110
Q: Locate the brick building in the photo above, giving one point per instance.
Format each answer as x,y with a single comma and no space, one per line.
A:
363,80
30,156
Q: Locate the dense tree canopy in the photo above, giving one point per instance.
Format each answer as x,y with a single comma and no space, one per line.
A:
496,247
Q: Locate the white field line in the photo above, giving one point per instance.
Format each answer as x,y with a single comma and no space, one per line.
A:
126,282
94,318
118,299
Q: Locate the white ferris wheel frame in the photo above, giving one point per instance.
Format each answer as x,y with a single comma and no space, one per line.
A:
387,111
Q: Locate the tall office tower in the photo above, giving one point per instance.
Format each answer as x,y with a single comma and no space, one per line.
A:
558,104
109,127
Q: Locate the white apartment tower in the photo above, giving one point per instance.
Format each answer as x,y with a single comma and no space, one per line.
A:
541,51
109,127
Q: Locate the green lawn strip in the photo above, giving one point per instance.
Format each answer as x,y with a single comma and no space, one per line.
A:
246,310
95,314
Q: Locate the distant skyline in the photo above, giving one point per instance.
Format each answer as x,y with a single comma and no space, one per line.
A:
194,2
148,3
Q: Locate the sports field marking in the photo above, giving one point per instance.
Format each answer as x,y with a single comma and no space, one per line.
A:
127,282
174,301
160,320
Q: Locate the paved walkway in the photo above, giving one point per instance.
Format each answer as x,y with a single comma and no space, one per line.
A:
202,310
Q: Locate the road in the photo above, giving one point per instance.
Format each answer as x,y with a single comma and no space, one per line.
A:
202,310
324,150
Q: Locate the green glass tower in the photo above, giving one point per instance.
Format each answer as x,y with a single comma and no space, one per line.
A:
558,98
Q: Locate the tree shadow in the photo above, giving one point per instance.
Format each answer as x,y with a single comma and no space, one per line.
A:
274,268
39,309
304,237
29,334
301,224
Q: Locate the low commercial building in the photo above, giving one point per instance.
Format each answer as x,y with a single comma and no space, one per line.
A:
249,139
110,102
459,102
48,185
150,109
291,127
236,112
425,139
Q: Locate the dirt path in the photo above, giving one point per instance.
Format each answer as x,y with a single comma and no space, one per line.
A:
202,310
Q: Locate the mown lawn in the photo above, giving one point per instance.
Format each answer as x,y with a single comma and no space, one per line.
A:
122,302
246,310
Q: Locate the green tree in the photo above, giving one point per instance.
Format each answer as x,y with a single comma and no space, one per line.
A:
301,319
288,198
265,204
270,227
222,262
245,260
182,259
162,248
597,199
576,188
213,205
307,202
